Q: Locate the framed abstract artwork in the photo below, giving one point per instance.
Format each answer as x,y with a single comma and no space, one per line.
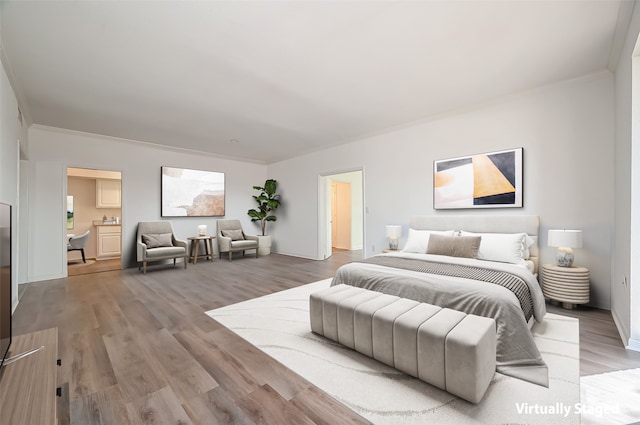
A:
488,180
192,193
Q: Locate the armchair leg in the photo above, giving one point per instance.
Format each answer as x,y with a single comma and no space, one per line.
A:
186,260
230,255
83,259
144,267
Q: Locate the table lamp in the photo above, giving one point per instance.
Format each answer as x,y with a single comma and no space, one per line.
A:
393,232
564,240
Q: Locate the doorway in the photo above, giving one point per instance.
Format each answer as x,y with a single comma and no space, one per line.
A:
341,213
94,211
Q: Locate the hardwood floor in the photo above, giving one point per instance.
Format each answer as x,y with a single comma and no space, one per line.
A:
138,349
77,267
601,348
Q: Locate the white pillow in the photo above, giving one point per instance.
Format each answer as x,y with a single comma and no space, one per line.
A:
526,244
418,240
501,247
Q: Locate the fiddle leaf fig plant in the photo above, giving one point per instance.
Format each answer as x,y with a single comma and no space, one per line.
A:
268,200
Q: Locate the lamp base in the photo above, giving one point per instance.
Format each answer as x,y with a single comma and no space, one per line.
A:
564,257
393,243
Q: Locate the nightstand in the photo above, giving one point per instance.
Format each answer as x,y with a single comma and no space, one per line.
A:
569,285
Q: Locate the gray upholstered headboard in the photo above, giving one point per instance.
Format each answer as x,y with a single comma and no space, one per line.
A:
529,224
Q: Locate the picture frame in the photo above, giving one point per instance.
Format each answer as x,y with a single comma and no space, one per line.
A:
487,180
70,213
187,192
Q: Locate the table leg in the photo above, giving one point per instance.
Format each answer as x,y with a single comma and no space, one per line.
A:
206,249
195,257
191,248
211,249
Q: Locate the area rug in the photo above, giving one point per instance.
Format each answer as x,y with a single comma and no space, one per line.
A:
278,324
611,398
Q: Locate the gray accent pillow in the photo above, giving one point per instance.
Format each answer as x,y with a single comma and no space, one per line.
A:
454,246
157,240
235,235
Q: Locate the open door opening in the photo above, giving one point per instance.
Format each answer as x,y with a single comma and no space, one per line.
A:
341,204
93,226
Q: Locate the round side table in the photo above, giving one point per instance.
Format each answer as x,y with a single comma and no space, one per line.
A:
569,285
194,243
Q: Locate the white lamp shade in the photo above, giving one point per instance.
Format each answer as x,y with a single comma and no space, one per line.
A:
393,231
565,238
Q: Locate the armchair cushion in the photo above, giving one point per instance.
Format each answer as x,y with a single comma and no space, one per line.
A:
157,240
165,252
235,235
243,244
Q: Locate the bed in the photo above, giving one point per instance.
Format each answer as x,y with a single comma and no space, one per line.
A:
500,281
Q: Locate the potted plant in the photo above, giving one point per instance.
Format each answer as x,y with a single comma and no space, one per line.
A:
267,201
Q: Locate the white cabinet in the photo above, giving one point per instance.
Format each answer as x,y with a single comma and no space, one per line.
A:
108,193
109,241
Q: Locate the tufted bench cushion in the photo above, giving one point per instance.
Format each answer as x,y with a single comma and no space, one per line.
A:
449,349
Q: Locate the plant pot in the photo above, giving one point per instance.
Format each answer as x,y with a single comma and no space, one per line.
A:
264,245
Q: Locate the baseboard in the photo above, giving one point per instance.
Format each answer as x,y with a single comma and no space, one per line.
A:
296,255
634,345
622,330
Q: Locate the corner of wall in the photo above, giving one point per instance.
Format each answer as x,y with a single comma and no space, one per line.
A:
622,329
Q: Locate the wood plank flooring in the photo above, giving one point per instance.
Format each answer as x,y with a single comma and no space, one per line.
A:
601,349
138,349
77,267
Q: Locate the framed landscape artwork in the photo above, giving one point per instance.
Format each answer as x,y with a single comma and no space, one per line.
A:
488,180
192,193
69,212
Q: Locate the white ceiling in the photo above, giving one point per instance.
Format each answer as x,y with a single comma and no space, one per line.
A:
284,78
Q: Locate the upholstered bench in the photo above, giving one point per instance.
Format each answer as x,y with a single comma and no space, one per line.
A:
451,350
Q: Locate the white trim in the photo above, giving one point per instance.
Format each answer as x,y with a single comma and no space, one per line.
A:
323,228
622,330
142,143
634,345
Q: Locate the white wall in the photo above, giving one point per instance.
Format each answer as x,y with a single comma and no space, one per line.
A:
10,133
566,130
621,258
52,150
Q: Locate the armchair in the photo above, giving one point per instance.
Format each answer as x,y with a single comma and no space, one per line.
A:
231,238
156,241
77,243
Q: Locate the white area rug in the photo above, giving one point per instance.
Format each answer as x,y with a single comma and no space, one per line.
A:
611,398
278,324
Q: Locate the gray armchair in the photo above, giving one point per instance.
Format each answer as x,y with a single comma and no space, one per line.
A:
77,243
156,241
231,238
